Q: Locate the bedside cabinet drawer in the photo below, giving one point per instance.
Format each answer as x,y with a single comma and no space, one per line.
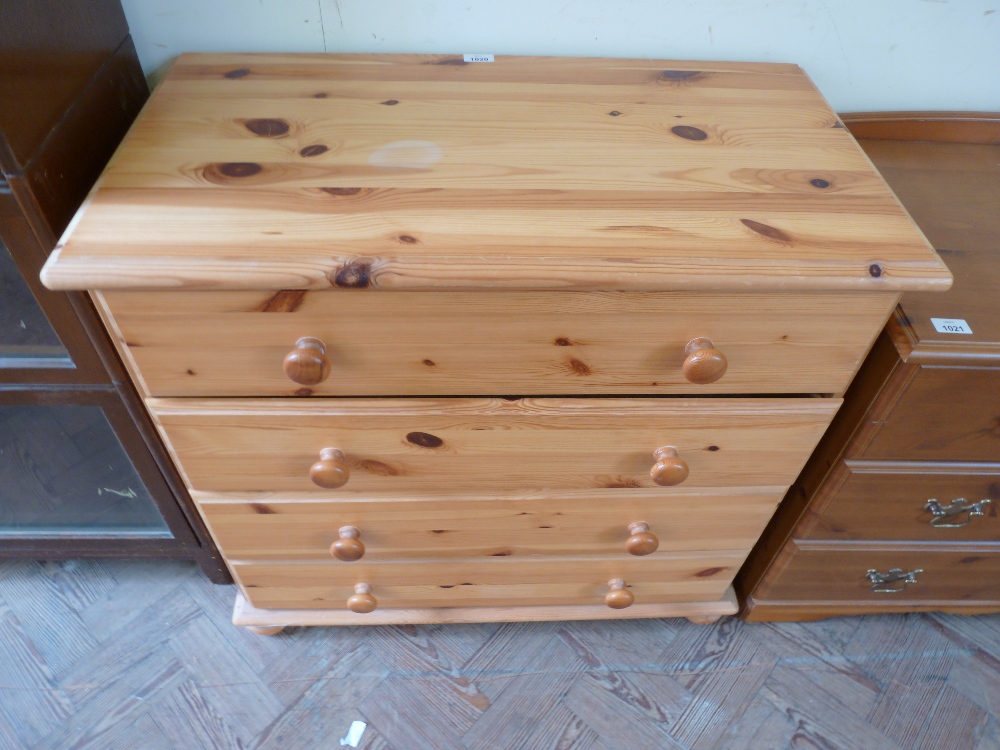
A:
965,574
488,583
343,446
544,524
460,343
907,502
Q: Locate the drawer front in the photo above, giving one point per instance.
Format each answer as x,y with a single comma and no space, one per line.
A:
944,414
544,524
489,445
964,576
912,503
462,343
487,583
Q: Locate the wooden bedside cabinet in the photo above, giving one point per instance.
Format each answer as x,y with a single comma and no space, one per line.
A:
897,509
437,341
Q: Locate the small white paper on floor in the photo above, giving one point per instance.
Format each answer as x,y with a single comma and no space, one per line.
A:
354,734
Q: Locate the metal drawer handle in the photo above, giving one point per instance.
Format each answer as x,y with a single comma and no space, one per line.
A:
943,513
885,583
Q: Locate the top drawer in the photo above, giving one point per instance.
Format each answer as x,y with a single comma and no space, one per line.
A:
233,343
940,414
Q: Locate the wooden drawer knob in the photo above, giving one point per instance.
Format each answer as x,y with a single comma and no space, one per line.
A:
330,472
307,363
619,597
704,364
362,602
641,542
669,469
349,547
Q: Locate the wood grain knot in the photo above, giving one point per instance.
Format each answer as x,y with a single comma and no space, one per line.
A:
342,190
424,440
429,362
390,102
708,572
315,150
238,73
267,127
622,483
502,553
448,61
839,124
266,510
713,448
407,239
320,95
766,230
562,341
578,367
689,132
379,468
353,276
681,75
232,169
190,372
874,270
819,183
285,301
304,391
614,113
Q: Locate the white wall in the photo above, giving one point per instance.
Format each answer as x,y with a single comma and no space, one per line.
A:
863,54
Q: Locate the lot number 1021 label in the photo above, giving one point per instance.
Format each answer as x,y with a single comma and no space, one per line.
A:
950,325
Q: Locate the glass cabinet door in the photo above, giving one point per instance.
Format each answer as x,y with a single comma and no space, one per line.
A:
63,471
27,339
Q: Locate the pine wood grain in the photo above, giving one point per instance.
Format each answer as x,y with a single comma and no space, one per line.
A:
246,614
459,445
421,172
545,524
499,583
468,343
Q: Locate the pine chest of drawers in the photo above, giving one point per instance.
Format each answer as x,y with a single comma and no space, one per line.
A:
439,341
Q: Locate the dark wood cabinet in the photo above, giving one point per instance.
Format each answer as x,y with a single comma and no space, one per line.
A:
899,507
82,471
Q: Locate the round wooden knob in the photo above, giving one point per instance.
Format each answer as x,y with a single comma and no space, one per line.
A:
330,472
619,597
349,547
362,601
704,363
669,469
641,542
307,363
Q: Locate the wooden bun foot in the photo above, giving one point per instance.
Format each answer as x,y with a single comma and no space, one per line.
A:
706,620
265,629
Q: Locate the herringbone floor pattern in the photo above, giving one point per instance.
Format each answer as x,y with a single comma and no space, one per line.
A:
141,655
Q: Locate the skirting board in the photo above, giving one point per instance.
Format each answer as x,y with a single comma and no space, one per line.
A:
245,614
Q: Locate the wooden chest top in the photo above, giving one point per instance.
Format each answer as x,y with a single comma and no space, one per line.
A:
427,172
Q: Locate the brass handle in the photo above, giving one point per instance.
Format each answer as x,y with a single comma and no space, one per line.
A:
331,471
618,597
669,468
942,514
886,583
640,541
704,364
307,363
349,546
362,600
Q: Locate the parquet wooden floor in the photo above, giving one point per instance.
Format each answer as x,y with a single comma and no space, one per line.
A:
141,655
